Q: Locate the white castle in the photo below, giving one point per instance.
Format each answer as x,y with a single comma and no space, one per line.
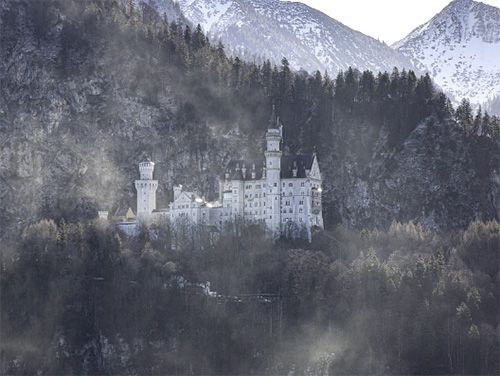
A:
281,192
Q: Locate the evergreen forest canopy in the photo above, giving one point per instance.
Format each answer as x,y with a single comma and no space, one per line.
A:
79,298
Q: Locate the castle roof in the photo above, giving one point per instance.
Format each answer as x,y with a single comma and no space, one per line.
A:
124,214
234,168
302,162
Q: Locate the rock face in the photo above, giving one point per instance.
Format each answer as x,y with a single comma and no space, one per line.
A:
72,133
439,177
275,29
460,47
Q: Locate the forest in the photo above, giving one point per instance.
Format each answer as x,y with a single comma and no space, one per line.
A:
84,299
394,297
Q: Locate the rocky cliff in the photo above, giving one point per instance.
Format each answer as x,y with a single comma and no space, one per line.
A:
78,111
438,177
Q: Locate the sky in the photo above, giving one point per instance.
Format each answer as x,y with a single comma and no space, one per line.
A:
385,20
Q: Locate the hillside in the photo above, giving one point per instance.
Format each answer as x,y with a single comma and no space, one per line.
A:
460,48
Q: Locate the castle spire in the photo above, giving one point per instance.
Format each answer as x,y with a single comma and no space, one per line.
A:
273,122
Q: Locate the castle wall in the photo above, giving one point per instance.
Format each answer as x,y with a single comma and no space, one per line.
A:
287,206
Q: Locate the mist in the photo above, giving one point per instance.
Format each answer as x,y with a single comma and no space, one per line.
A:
404,280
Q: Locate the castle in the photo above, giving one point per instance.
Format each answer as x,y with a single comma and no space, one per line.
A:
281,192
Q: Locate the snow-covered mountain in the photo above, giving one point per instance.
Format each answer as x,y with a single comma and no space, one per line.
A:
275,29
460,47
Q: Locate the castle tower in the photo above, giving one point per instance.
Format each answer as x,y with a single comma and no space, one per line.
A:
273,176
146,190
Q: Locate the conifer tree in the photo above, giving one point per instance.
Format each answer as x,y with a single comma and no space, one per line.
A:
464,115
478,122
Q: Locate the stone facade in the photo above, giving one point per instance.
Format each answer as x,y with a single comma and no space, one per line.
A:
280,192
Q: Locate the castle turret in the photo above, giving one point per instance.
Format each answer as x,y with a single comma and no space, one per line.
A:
273,173
244,171
146,190
177,191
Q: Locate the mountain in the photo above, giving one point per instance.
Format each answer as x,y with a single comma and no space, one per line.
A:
460,47
273,29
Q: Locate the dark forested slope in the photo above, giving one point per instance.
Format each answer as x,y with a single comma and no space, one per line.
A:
76,299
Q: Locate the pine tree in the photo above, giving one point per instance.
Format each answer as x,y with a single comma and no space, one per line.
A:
351,89
464,116
485,124
478,122
366,87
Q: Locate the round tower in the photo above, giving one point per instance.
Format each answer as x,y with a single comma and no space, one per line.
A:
146,169
146,190
273,155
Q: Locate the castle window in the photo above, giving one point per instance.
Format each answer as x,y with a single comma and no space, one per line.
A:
291,210
264,194
283,184
301,202
287,203
302,184
300,219
300,210
290,184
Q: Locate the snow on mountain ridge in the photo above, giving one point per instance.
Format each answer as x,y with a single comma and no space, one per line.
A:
460,47
308,38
